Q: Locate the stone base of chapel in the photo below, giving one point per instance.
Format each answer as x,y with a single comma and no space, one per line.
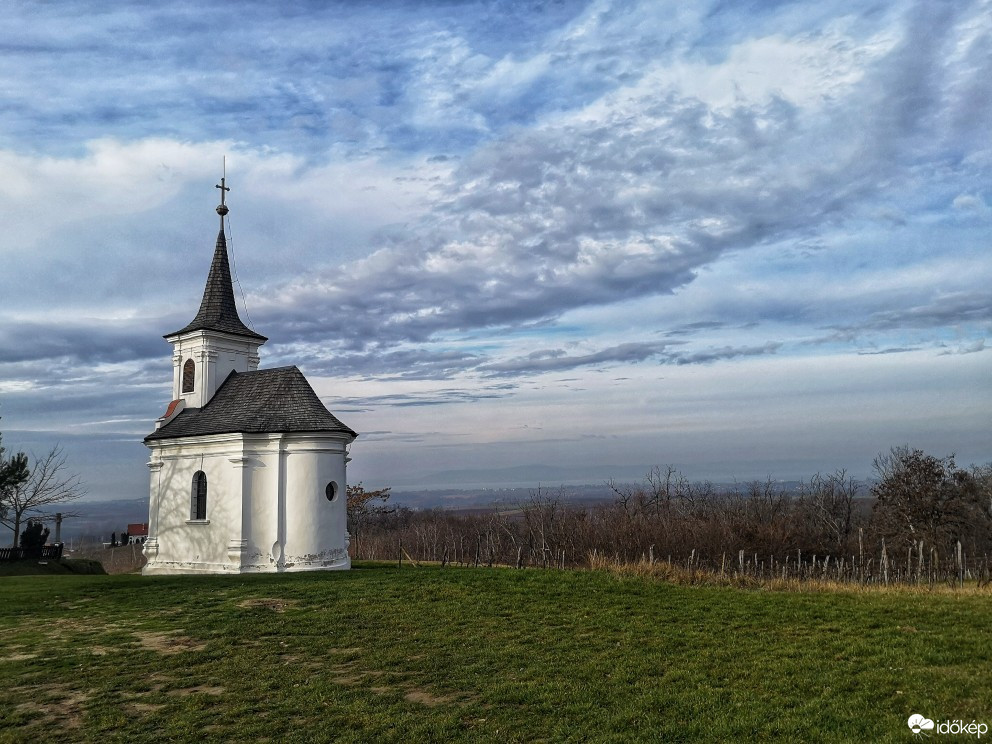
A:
173,568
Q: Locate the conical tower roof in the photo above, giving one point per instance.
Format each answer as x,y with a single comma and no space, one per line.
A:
217,309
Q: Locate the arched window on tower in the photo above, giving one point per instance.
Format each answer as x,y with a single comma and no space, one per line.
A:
189,375
198,501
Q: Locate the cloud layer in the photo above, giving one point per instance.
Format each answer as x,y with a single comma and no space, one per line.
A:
444,205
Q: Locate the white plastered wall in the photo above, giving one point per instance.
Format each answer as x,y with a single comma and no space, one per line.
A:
266,504
315,527
177,543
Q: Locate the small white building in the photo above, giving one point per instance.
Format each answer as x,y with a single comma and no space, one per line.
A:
247,465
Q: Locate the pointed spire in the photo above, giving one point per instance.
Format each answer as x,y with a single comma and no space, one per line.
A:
218,311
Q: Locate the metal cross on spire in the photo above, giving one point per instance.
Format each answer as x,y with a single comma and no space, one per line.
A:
224,188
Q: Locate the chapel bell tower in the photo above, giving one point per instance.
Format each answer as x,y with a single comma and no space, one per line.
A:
216,342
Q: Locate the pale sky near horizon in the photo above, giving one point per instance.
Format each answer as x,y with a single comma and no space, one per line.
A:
748,239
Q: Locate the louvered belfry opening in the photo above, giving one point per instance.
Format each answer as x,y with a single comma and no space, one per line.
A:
189,376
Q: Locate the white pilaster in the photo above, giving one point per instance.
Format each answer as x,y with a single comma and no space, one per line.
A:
151,544
237,547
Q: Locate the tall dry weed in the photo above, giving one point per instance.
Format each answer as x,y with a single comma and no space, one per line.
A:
701,576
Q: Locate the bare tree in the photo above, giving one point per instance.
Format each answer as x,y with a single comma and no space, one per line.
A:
829,504
13,472
922,497
543,515
982,478
761,517
361,509
48,483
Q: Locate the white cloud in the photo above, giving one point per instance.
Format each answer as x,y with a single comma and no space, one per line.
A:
808,71
972,203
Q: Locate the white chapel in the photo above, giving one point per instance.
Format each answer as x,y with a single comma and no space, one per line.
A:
247,465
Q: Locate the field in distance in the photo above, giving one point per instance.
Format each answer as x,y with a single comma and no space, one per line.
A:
430,654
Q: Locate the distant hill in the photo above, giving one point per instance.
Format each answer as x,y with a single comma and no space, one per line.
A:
527,476
473,499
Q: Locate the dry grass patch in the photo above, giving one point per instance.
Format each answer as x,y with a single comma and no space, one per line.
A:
198,689
267,603
427,698
20,656
144,708
347,674
85,628
168,642
674,573
56,706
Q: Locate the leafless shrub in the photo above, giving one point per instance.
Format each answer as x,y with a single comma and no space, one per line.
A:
823,531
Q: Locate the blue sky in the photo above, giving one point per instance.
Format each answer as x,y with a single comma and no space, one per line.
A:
748,239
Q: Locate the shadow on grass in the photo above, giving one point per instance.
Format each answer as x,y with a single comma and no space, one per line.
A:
79,566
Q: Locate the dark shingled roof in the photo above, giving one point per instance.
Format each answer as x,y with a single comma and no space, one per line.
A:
217,309
265,401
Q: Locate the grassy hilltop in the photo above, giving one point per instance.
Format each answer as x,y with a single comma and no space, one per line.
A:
429,654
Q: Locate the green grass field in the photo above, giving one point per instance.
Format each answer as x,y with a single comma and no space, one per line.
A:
429,654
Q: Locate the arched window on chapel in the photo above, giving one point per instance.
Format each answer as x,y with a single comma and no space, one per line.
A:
189,374
198,501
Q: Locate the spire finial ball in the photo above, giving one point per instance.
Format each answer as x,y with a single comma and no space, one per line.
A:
222,209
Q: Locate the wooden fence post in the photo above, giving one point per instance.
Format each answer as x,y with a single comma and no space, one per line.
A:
959,557
885,563
861,553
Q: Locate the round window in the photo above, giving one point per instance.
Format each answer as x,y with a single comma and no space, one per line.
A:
331,492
